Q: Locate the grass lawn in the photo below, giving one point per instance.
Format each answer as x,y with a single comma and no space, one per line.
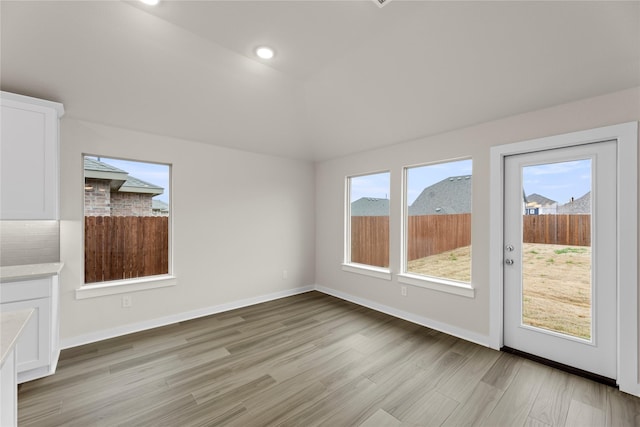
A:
556,289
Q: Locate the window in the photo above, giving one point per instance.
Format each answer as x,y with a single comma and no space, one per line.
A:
367,241
126,219
438,221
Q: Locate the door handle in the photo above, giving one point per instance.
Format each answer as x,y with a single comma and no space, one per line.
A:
508,261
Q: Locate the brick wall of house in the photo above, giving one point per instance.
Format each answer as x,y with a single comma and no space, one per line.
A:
131,204
97,197
100,201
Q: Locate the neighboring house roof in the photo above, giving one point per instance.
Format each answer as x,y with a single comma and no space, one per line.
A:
539,200
159,205
95,165
121,181
370,206
450,196
135,185
99,170
581,205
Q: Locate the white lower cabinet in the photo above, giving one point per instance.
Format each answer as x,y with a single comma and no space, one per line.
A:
37,349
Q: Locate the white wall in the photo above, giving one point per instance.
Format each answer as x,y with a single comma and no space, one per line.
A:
462,316
239,220
223,253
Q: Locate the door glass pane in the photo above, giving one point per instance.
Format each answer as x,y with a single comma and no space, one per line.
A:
556,247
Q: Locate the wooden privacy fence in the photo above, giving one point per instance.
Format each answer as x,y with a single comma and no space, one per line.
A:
434,234
574,230
370,240
125,247
428,235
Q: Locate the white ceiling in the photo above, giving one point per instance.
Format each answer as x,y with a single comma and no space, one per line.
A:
347,76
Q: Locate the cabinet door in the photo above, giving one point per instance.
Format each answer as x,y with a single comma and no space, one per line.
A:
28,161
33,347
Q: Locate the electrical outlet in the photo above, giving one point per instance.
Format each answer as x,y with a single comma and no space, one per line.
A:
126,301
403,291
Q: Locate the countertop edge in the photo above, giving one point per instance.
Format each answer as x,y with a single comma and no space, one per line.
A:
29,271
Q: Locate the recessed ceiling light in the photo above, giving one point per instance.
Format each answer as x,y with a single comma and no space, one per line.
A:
150,2
265,52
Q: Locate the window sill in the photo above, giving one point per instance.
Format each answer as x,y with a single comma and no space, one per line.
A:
442,285
125,286
368,270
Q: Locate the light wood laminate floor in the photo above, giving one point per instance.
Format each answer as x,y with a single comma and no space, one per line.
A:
308,360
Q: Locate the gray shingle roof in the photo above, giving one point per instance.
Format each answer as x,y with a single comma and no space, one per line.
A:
159,205
450,196
540,200
95,165
133,182
370,206
581,205
122,181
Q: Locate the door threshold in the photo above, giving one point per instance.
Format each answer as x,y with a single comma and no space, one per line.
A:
566,368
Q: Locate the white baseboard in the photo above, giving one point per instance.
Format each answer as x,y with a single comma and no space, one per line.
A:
207,311
464,334
175,318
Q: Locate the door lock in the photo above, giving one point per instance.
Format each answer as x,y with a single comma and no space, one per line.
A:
508,261
509,248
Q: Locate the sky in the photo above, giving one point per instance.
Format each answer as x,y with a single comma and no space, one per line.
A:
152,173
556,181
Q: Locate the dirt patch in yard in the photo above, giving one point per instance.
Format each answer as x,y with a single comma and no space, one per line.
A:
557,285
557,288
455,264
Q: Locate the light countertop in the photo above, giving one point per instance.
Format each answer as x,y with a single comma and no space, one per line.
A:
29,271
11,326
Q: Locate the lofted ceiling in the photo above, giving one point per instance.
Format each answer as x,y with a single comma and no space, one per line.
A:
347,76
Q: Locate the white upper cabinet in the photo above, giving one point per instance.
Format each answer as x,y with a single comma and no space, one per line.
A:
29,172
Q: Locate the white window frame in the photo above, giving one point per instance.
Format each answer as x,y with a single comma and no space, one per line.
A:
347,265
114,287
424,281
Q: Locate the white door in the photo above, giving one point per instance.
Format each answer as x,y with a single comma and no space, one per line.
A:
560,258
